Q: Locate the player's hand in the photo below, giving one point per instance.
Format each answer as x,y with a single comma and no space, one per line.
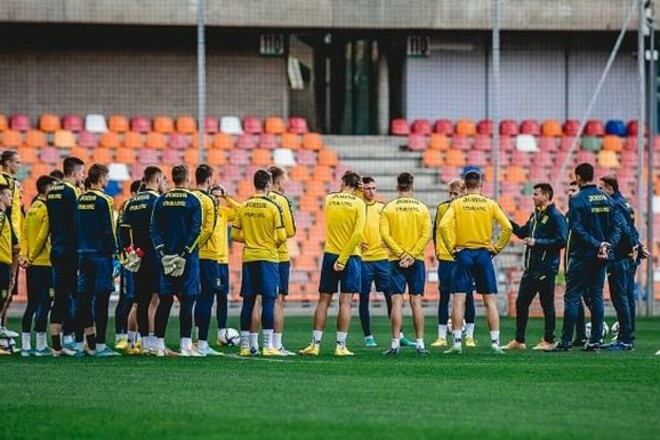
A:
603,251
364,246
179,264
406,260
530,241
167,262
23,262
338,267
644,253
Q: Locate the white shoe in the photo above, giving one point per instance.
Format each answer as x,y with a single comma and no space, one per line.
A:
6,333
187,352
285,352
657,353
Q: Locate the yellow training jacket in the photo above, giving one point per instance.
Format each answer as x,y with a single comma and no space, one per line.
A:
16,214
441,251
468,223
35,237
345,217
289,222
206,251
225,215
405,226
375,251
258,224
7,239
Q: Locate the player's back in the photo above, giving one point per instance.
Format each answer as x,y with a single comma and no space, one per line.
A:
342,212
287,219
408,220
474,215
61,203
95,215
176,217
375,250
35,219
136,216
259,219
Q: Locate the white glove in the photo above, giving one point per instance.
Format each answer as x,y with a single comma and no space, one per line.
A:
179,264
168,266
132,262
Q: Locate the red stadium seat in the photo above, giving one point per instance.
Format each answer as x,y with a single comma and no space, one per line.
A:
19,122
267,141
246,142
421,126
297,125
399,127
443,126
485,127
633,128
594,128
416,142
508,127
140,124
530,126
571,127
252,125
211,125
72,123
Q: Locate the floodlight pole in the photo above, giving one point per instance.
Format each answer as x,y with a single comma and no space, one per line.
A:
494,100
652,116
201,79
641,123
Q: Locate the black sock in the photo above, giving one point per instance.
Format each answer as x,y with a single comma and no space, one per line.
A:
57,342
91,341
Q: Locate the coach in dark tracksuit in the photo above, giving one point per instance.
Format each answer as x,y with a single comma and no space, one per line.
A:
545,234
594,230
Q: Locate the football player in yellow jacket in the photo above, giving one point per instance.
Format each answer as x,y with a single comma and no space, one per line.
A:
8,243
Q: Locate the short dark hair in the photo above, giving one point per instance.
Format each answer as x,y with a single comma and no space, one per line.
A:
472,179
546,189
96,171
261,179
611,181
404,181
150,173
4,187
351,179
276,172
179,173
135,186
7,155
368,179
56,174
70,164
585,171
202,173
43,182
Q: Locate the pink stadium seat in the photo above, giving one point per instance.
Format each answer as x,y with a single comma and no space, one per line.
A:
566,142
19,122
594,128
443,126
483,142
507,143
232,172
477,158
306,157
239,157
448,173
485,127
508,127
421,126
547,143
178,141
252,125
147,156
49,155
171,156
530,126
73,123
538,174
211,125
465,127
460,142
571,127
267,141
246,142
87,139
297,125
520,158
585,156
140,124
49,122
399,127
416,142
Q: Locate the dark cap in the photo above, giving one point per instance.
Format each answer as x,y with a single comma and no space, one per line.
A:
472,174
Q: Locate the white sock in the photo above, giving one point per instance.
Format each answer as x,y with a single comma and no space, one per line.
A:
442,331
254,341
277,340
245,339
41,341
186,344
202,345
68,339
268,338
146,343
317,335
457,337
395,344
341,339
120,336
100,347
495,338
131,336
161,343
80,345
27,343
420,343
469,330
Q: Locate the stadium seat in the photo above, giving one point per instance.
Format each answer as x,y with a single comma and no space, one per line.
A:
223,141
585,156
283,157
110,139
612,143
608,159
551,128
178,141
508,203
416,142
39,169
274,125
155,140
147,157
630,144
290,141
50,155
485,127
211,125
521,158
477,158
194,141
133,139
163,124
297,125
315,188
261,157
72,123
125,155
216,157
433,158
246,142
81,153
515,174
252,125
506,143
527,143
64,139
140,124
538,174
547,143
421,126
616,127
633,128
171,156
306,157
3,122
508,127
439,142
399,127
28,155
102,155
328,158
312,141
35,139
455,158
191,156
299,173
186,125
239,157
483,142
594,127
448,173
267,141
119,172
49,123
465,127
87,139
571,127
443,126
118,123
591,143
95,123
230,125
19,122
530,127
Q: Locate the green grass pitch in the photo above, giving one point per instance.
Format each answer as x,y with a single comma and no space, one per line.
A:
526,395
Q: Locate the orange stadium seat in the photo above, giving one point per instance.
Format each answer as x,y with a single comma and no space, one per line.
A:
216,157
20,122
178,141
439,142
309,203
421,126
102,155
118,123
594,127
443,126
312,141
40,169
328,157
252,125
416,142
80,152
571,127
35,139
140,124
485,127
465,127
155,140
290,141
612,143
455,158
125,155
551,128
399,127
28,154
516,174
246,142
163,124
300,173
529,126
608,159
508,127
261,157
3,122
49,122
315,188
323,173
297,125
110,140
191,156
186,124
133,139
267,141
274,125
64,139
223,141
73,122
433,158
211,125
194,141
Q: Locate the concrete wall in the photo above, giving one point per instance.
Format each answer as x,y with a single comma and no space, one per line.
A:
370,14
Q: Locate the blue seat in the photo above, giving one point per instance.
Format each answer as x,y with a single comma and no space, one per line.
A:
616,127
